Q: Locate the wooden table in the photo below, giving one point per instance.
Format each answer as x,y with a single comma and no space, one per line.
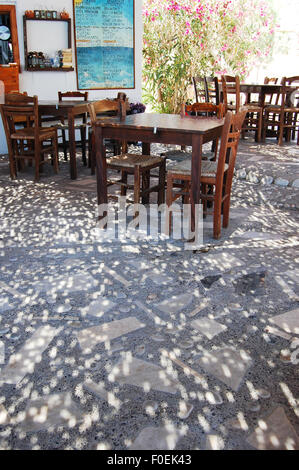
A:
68,109
159,128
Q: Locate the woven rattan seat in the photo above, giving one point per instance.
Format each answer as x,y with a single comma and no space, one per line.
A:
130,160
208,169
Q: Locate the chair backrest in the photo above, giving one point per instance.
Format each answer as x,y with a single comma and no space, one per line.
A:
230,137
271,98
19,108
96,108
287,99
231,86
73,95
270,81
212,90
199,85
207,109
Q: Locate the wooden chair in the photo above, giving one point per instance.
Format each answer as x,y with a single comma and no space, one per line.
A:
254,117
115,146
200,92
130,164
30,142
231,93
196,109
218,174
294,81
80,124
283,118
269,98
212,90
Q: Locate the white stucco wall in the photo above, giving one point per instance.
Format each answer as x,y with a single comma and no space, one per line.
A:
46,84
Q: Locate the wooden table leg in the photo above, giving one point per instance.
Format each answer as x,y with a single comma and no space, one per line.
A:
197,142
72,145
101,169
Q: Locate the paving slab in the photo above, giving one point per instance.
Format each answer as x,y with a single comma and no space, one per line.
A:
227,365
274,432
148,376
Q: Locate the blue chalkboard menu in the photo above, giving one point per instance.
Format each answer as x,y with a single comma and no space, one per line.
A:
104,38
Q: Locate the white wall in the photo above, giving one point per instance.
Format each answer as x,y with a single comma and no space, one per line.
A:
46,84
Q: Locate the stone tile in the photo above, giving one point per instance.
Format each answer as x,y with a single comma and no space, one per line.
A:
252,235
99,391
214,442
204,304
252,283
152,438
288,321
176,303
23,362
208,281
2,352
10,290
160,279
221,262
208,327
5,305
185,410
116,276
51,411
227,365
293,274
4,417
277,332
274,433
140,264
149,312
286,289
132,371
98,307
90,337
68,284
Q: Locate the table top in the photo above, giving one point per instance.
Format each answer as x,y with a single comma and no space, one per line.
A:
256,87
166,122
62,104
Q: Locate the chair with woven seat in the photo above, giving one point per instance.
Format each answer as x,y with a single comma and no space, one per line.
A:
212,90
114,146
31,142
283,118
200,92
254,117
217,174
80,124
196,109
139,166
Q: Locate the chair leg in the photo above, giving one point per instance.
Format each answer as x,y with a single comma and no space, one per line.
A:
137,181
55,154
226,209
260,125
146,185
161,192
37,160
280,134
64,144
92,155
217,215
124,179
89,149
83,145
12,161
169,189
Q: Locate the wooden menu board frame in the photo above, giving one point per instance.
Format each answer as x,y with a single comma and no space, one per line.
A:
128,65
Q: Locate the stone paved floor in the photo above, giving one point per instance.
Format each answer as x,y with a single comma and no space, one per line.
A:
144,345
